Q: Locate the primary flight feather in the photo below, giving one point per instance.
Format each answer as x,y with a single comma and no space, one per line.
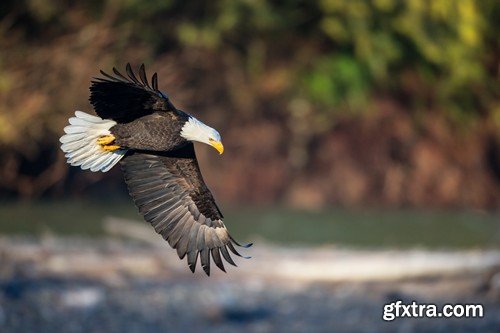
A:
138,126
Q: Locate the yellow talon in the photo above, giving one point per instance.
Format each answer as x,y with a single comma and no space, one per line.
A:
106,140
111,147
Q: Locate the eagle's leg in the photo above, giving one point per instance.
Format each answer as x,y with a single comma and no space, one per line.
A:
106,141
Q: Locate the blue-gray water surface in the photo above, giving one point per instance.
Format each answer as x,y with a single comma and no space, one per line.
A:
358,228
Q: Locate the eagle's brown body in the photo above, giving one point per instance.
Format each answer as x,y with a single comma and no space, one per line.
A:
155,132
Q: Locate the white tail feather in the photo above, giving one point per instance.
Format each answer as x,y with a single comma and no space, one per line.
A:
80,143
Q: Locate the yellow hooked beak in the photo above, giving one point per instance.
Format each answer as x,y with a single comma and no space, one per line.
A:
217,145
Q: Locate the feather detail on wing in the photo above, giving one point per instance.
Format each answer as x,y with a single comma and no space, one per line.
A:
125,98
170,193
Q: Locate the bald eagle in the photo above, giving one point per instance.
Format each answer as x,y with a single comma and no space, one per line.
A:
138,126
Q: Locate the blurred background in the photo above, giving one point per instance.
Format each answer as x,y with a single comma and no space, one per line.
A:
362,158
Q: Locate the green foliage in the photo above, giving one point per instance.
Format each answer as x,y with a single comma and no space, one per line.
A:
439,41
337,81
340,54
359,48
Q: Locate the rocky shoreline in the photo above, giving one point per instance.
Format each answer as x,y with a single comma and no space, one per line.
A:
53,284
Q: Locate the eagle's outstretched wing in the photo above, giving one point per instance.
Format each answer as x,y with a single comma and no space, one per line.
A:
170,193
125,98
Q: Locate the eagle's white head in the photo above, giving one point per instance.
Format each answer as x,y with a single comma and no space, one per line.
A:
195,130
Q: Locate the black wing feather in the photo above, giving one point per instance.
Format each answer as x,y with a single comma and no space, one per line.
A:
170,193
217,259
117,73
142,75
125,99
131,74
154,81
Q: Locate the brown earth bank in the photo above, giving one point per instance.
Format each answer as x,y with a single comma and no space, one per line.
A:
279,148
385,160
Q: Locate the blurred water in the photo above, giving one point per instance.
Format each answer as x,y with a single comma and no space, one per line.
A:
360,228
